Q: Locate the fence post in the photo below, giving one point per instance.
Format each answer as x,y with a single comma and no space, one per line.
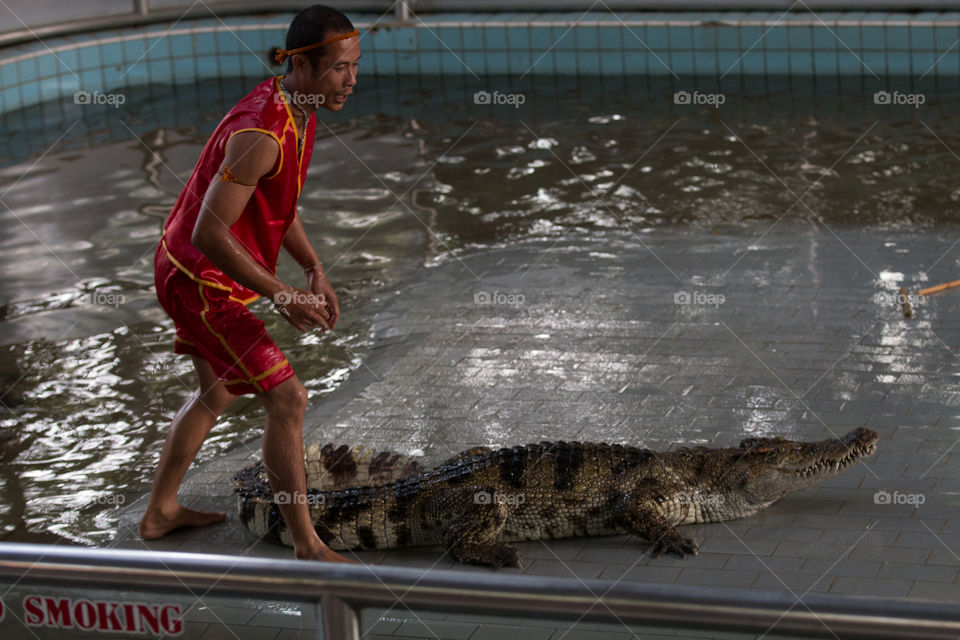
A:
340,620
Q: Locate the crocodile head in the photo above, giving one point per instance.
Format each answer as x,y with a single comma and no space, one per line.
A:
766,469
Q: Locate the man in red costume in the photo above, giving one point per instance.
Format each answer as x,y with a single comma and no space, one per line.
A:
219,252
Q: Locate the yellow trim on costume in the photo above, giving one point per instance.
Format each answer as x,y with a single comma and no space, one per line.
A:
184,341
198,279
293,125
268,372
178,265
300,160
272,135
272,370
223,341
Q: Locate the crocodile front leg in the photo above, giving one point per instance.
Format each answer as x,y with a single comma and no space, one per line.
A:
472,519
638,515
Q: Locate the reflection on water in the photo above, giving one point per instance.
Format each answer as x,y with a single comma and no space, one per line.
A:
404,178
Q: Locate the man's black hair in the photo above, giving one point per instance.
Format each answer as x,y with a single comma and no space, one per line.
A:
310,26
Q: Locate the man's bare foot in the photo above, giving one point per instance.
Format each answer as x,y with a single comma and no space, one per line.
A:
156,523
322,553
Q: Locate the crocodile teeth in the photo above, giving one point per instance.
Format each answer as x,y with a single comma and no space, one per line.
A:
851,456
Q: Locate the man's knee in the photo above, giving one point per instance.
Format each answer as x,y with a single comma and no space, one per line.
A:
288,398
213,394
216,399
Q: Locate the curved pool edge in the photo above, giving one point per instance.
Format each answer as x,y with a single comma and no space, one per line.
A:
96,67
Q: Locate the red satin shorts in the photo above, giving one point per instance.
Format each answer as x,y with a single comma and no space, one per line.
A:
222,331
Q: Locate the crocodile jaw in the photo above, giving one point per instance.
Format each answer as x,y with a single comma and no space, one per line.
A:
774,467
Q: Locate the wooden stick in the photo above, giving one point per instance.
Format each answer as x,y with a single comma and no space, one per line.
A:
905,303
940,287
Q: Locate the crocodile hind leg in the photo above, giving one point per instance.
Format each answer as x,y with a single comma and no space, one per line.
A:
638,515
473,519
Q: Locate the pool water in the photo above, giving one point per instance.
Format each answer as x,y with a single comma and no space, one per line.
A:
410,174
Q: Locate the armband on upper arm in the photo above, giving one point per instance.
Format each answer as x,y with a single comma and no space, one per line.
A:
228,176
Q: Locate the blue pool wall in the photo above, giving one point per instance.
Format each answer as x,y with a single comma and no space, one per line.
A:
681,44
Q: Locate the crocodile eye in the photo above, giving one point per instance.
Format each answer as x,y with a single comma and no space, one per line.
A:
660,499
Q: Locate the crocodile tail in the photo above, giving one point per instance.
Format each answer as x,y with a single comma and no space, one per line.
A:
331,468
255,506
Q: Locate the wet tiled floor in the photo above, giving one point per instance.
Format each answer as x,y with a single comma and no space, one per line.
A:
658,340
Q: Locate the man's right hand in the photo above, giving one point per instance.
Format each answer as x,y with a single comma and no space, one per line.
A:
302,308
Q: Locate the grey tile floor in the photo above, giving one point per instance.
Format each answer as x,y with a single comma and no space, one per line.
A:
793,333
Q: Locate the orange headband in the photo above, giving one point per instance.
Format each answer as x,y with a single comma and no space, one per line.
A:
283,54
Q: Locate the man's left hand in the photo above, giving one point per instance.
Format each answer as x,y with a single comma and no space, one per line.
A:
319,285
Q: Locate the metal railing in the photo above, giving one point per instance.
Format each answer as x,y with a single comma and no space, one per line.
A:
45,20
340,590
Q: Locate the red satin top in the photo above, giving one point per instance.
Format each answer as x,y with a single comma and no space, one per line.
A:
272,207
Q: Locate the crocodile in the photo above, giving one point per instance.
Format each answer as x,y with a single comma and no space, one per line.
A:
480,501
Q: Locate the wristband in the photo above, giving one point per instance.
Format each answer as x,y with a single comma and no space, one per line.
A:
282,298
313,267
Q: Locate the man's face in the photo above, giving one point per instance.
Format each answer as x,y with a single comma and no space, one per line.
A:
336,74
